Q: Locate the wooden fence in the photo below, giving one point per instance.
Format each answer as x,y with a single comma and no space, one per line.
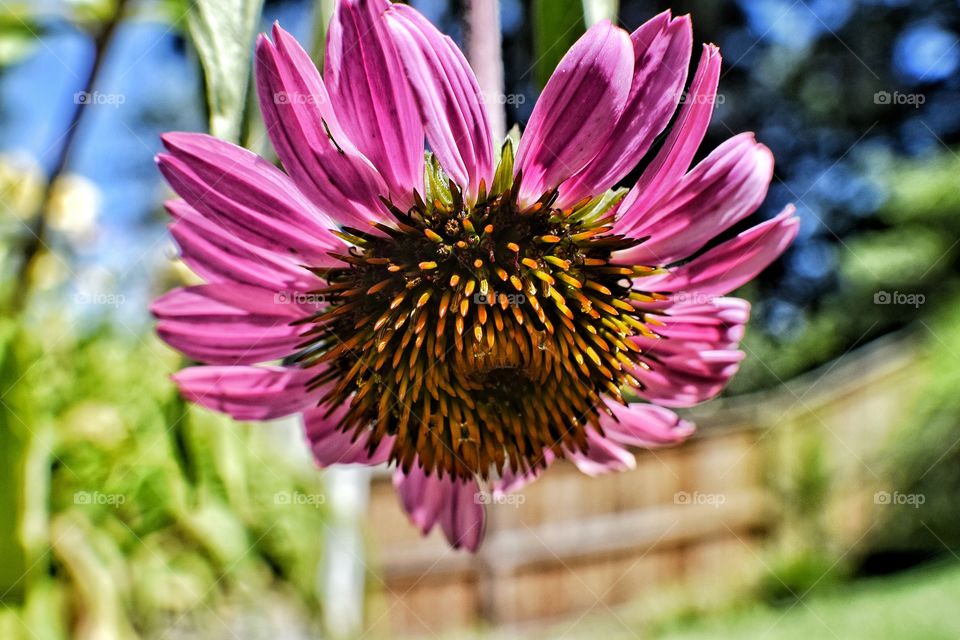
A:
696,515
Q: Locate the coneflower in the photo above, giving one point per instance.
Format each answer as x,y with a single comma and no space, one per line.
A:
468,316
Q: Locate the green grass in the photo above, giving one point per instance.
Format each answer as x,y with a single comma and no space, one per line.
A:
920,604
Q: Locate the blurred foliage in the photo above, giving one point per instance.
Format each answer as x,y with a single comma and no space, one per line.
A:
802,556
923,460
322,14
132,513
17,37
126,512
222,32
908,607
556,26
924,456
912,251
132,510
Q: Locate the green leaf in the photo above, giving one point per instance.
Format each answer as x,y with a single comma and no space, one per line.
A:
598,207
19,35
503,178
222,32
12,446
437,183
557,25
322,12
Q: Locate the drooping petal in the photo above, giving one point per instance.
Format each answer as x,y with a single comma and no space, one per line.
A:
228,323
577,110
685,379
451,502
248,393
697,354
732,263
248,196
690,327
448,97
464,519
644,425
661,58
332,446
602,456
371,96
421,496
726,187
216,255
307,136
686,134
511,481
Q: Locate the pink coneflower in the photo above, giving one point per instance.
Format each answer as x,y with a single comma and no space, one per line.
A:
469,318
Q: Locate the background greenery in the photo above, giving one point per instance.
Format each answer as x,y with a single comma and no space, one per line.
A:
124,513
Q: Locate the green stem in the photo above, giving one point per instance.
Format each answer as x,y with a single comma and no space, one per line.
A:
12,446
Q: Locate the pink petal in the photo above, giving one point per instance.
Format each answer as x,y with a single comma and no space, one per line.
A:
661,58
511,481
421,496
673,159
733,263
644,425
371,96
332,446
685,379
248,196
577,111
464,519
216,255
228,324
448,97
602,456
298,115
249,393
691,327
452,502
726,187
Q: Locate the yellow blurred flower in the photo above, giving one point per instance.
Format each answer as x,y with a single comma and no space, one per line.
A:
47,271
21,185
74,205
